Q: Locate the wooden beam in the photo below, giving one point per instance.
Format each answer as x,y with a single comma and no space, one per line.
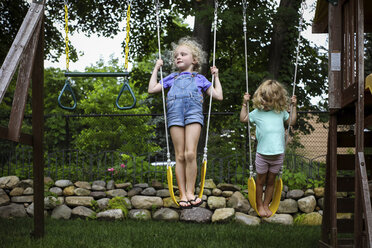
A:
38,134
34,14
23,82
334,56
24,138
366,197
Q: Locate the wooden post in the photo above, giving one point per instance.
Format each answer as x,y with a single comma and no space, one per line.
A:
359,125
38,131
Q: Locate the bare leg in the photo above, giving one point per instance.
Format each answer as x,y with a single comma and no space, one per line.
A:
270,185
192,134
261,179
178,139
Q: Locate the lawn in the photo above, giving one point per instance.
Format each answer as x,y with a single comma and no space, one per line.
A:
92,233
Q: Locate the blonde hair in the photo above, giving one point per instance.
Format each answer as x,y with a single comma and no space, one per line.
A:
272,95
196,50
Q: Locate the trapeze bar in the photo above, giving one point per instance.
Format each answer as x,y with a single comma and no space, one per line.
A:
96,74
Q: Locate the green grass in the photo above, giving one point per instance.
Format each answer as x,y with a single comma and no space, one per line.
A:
92,233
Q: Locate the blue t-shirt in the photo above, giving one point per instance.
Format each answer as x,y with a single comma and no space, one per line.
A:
201,82
269,130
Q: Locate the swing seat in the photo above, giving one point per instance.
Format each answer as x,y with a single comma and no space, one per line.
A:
369,83
274,205
169,178
202,178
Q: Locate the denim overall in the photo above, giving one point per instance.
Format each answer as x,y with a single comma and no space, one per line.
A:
184,102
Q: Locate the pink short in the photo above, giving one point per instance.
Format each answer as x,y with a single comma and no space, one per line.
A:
272,163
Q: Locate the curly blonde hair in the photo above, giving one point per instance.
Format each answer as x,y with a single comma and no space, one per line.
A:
271,95
196,49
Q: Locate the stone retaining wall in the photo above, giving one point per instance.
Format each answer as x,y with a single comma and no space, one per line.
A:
223,202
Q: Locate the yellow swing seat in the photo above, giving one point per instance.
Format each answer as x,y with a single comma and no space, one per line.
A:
274,205
369,83
170,179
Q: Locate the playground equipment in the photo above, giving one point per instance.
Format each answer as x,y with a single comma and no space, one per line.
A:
126,87
350,104
27,51
169,163
274,205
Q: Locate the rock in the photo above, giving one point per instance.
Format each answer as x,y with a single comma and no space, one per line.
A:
149,191
116,193
139,214
321,203
247,219
8,182
134,191
239,202
69,190
111,214
319,192
314,219
82,192
48,181
63,183
99,185
209,184
228,187
83,185
110,185
27,183
82,212
198,215
307,204
4,198
74,201
56,190
163,193
166,214
295,194
288,206
22,199
227,193
146,202
216,192
141,185
50,202
215,202
61,212
157,185
285,219
169,203
12,210
123,185
309,192
103,203
98,194
28,191
223,215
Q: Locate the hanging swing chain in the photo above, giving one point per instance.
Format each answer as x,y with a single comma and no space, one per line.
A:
67,50
246,80
210,99
303,7
162,85
127,37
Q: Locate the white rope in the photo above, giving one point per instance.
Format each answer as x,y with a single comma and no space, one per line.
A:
162,85
246,80
211,96
303,7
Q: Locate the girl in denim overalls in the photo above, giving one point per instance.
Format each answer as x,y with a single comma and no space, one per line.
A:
185,111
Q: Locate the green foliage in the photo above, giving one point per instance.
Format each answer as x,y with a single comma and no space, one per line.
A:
295,180
94,206
119,203
299,219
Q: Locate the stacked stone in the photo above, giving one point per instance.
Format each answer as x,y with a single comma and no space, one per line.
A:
222,203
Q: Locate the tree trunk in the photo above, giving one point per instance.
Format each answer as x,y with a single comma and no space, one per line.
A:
202,27
202,33
285,16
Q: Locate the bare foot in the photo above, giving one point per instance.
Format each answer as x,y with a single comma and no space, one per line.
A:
262,212
268,211
184,203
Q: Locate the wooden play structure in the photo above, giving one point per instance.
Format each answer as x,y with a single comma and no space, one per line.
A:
350,105
27,54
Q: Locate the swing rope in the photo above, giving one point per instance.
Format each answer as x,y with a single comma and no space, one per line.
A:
251,173
210,100
162,85
67,50
127,37
204,164
126,85
67,86
303,7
